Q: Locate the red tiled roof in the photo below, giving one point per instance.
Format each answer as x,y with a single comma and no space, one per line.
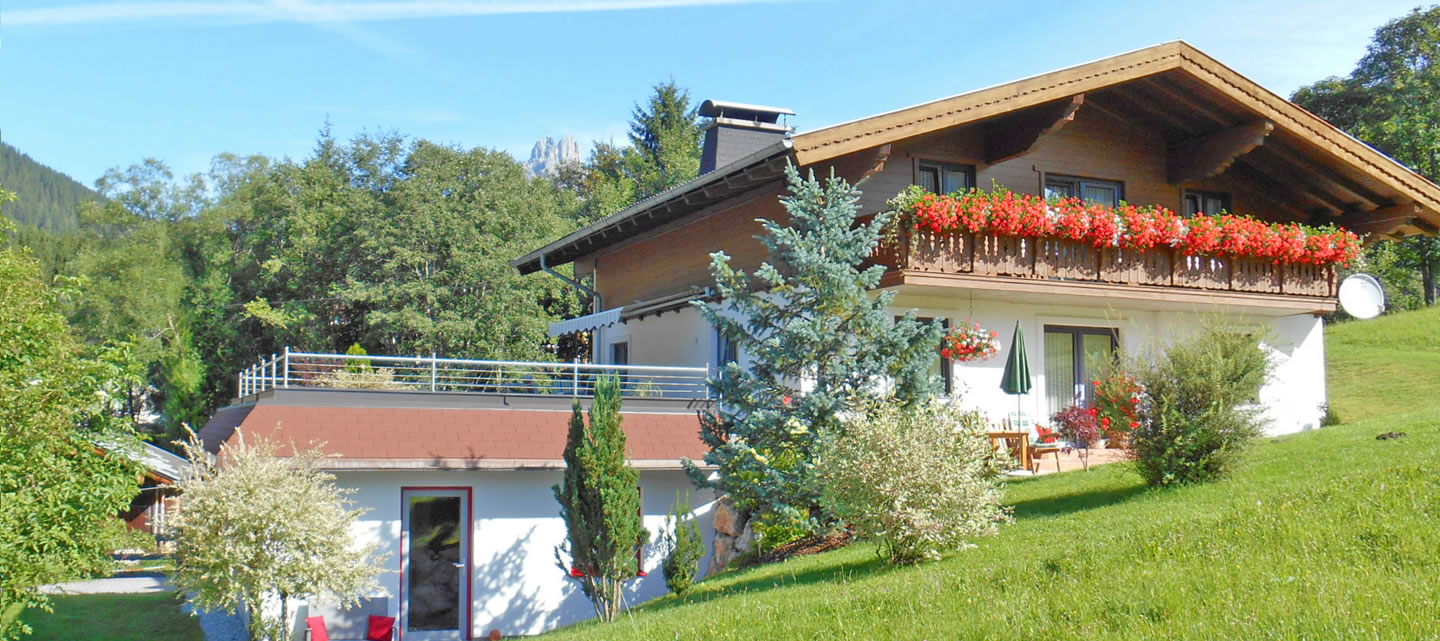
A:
448,437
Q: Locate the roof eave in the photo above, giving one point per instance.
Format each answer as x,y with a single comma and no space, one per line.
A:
530,263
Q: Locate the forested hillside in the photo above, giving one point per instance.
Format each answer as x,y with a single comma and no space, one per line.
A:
47,198
399,246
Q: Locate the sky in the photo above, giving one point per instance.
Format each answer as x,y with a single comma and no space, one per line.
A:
87,85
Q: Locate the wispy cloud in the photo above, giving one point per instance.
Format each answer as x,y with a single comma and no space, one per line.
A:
323,12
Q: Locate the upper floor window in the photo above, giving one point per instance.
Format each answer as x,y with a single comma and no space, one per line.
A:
940,178
1206,202
1100,192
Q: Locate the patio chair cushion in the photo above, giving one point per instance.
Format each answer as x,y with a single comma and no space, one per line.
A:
381,628
317,628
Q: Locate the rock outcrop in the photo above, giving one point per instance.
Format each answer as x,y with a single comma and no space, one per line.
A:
549,154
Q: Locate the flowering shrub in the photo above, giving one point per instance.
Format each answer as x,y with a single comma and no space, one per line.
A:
1081,427
917,479
1002,212
1117,399
969,342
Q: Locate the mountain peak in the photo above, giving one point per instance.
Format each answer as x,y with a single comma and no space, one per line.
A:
549,153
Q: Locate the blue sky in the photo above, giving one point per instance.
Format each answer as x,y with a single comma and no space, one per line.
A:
86,85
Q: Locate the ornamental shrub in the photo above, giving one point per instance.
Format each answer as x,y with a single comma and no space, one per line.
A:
916,479
686,548
1199,408
1080,429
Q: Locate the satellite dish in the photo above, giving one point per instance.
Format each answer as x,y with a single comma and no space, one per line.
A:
1362,296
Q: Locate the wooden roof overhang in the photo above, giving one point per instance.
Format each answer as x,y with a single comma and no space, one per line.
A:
758,169
1214,120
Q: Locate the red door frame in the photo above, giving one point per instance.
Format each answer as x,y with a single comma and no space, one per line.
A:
469,553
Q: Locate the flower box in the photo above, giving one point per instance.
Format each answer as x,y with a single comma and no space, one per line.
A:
1136,267
1254,275
1004,256
1066,259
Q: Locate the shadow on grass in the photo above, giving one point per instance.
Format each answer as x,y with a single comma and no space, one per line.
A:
1075,502
777,578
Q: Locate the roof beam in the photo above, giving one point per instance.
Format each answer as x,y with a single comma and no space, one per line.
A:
1015,135
1306,186
1188,100
1384,221
1213,153
1268,189
1329,178
1142,103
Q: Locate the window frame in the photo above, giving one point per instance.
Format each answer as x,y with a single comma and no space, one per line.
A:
1203,195
1077,349
1077,184
943,169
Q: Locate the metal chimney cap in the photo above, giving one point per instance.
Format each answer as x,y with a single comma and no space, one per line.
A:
742,111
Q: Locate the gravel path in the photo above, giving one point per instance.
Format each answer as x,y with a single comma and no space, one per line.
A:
219,626
129,584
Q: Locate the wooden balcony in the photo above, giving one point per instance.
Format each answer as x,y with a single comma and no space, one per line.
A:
1051,266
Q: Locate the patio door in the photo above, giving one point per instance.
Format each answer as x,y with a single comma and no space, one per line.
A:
1070,356
435,565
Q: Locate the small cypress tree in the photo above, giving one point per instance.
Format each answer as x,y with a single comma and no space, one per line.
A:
686,548
600,502
819,343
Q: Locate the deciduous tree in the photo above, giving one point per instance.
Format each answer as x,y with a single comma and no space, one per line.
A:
65,469
257,528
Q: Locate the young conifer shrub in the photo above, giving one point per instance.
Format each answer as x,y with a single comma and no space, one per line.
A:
917,479
686,548
1200,406
600,503
806,314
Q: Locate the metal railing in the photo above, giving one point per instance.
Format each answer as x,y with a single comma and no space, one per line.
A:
433,374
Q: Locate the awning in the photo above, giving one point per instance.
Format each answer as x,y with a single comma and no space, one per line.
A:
586,323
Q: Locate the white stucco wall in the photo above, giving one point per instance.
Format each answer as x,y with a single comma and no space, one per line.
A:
1292,397
515,584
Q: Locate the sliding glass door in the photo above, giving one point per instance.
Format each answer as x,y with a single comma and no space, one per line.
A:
1070,356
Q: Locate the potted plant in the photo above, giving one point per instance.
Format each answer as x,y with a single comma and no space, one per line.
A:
969,342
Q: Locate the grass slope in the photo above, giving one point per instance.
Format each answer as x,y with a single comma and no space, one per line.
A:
1321,535
116,617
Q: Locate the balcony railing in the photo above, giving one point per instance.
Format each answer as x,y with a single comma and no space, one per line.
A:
1060,259
432,374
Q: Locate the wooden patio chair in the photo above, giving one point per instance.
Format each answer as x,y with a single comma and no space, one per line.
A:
1016,443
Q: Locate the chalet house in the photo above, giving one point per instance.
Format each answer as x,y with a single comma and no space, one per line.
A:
1166,125
454,459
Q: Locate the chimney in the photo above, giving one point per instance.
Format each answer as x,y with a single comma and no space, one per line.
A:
736,130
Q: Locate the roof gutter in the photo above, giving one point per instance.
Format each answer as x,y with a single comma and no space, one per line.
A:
594,295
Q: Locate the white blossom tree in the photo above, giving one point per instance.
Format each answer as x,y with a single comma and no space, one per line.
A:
255,527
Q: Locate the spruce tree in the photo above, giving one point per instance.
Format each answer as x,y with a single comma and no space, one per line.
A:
820,344
600,502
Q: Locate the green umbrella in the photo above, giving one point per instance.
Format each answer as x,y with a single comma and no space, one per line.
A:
1017,370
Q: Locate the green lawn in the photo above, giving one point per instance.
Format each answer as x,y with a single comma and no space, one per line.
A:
115,617
1322,535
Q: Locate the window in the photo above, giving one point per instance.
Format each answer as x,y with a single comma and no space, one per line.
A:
620,353
1102,192
1071,353
940,178
1206,202
726,351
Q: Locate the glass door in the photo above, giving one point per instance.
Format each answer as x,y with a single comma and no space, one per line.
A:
435,544
1070,353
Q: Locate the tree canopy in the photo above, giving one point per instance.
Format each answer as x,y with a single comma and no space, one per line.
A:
1389,101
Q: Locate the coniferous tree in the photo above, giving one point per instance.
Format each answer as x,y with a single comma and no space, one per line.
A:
600,503
820,346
